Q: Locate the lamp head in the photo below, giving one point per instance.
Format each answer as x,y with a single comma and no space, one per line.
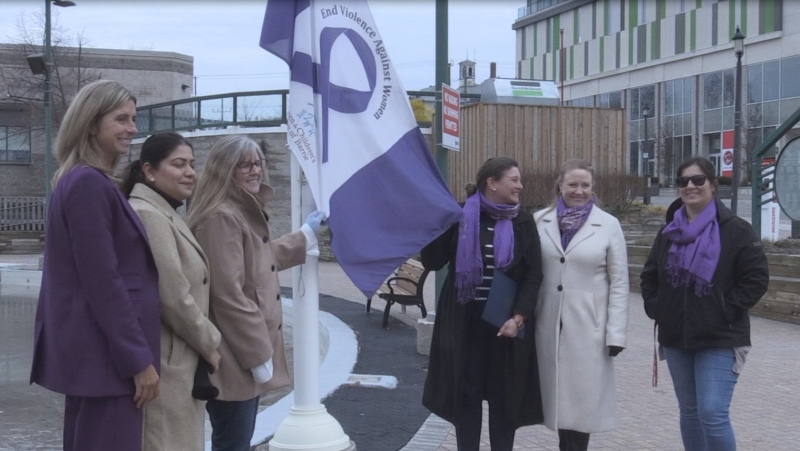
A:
37,63
646,111
738,42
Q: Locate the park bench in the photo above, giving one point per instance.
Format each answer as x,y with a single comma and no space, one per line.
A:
405,287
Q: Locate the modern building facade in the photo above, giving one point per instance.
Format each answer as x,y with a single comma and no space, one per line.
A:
672,64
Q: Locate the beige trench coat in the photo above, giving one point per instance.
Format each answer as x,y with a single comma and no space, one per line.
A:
245,292
175,420
582,309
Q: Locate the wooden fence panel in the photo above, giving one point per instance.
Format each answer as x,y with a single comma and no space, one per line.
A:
540,138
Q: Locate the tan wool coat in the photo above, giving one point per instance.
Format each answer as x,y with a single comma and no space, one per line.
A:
245,292
582,309
175,420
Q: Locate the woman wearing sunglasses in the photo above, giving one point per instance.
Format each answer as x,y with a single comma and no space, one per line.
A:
706,269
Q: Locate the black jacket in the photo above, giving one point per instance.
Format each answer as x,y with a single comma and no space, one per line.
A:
442,394
720,318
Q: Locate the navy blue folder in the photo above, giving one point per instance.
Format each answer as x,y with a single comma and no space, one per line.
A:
499,306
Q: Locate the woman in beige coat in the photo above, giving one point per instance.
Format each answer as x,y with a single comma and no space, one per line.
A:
156,185
582,313
228,217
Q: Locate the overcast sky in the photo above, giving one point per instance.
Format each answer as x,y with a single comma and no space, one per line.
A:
222,36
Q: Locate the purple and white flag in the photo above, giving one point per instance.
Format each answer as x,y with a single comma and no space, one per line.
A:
352,128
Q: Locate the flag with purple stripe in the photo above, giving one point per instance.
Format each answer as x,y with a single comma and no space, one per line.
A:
350,125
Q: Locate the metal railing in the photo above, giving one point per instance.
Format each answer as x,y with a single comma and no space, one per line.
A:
242,109
22,214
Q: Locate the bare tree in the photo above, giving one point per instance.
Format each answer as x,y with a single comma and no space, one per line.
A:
69,70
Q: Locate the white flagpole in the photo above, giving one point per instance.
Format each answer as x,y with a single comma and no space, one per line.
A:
308,426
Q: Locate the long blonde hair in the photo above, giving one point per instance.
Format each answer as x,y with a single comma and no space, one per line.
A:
73,143
216,182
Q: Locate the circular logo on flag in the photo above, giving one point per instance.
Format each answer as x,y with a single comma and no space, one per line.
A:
728,157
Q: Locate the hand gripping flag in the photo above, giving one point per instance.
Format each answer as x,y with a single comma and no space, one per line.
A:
350,125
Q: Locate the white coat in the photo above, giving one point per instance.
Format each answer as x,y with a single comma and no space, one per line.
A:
582,309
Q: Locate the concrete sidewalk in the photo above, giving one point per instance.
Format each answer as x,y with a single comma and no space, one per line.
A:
765,411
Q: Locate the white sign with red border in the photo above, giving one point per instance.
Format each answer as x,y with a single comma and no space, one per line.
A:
451,111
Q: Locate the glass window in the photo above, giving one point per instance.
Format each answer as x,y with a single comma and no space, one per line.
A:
728,88
615,99
669,100
770,113
15,144
788,107
713,90
712,120
790,67
753,115
771,81
688,94
755,77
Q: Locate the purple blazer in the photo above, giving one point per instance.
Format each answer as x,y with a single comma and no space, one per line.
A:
98,318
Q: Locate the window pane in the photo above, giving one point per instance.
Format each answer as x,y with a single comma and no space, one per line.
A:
636,107
669,98
615,99
686,120
688,94
788,107
753,115
713,90
728,88
754,80
790,67
712,121
770,113
648,97
727,118
771,81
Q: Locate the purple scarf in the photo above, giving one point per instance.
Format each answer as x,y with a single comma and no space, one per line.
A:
469,261
571,219
695,249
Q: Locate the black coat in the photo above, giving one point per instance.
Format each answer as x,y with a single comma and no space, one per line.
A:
720,318
442,394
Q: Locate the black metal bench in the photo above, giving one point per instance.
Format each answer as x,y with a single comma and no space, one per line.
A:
405,287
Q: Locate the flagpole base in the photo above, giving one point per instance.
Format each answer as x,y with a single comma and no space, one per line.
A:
310,429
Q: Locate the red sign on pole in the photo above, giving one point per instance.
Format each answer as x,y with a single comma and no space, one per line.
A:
451,125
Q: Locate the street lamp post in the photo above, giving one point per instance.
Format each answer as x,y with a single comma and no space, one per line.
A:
738,48
48,102
646,157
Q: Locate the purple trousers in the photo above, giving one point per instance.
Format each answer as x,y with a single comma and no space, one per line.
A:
102,424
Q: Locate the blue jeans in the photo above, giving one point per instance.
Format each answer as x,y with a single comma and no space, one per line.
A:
232,423
704,381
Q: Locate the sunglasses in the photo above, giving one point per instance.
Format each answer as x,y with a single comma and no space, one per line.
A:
697,180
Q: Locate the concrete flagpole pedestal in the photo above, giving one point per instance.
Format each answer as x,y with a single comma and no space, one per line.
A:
308,426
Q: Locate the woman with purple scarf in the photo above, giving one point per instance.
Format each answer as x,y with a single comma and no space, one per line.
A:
472,360
582,313
706,269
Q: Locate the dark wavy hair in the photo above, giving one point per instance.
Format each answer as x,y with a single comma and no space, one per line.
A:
155,149
494,168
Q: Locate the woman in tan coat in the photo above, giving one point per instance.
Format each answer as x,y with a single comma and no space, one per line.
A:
156,185
229,220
